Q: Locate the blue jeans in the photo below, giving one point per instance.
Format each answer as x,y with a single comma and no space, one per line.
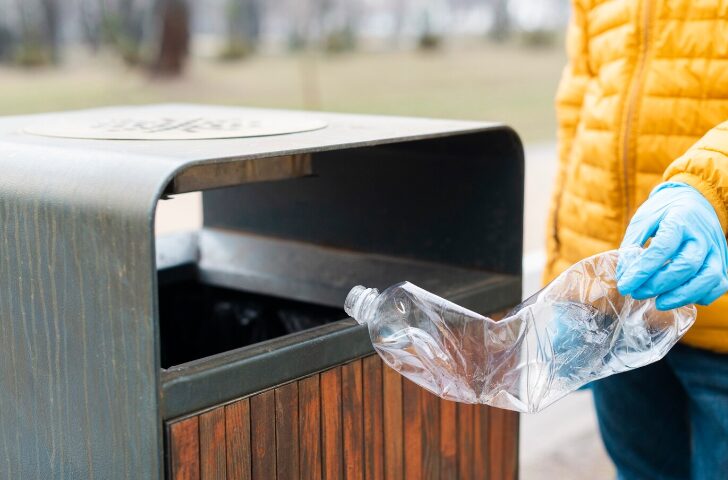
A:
668,420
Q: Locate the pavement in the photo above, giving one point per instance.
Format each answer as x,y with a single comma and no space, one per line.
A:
562,442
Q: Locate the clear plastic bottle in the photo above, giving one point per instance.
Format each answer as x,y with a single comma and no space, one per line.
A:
576,330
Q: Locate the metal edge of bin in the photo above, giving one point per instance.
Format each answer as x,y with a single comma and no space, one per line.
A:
228,376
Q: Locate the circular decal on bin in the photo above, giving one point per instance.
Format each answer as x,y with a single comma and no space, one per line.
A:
177,124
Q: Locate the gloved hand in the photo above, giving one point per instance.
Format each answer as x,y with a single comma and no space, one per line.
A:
686,259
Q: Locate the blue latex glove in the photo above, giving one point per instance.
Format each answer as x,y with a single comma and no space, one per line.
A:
686,259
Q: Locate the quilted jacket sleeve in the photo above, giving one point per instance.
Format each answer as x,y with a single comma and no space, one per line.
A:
705,167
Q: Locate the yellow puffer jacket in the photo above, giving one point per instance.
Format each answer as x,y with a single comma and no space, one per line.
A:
643,99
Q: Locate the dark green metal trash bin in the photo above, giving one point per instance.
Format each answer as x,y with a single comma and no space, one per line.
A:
108,335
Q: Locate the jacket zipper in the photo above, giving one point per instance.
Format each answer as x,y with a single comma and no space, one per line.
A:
635,88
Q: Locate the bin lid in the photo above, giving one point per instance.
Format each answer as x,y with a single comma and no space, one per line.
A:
173,123
309,132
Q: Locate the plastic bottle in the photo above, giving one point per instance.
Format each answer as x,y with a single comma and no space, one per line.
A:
576,330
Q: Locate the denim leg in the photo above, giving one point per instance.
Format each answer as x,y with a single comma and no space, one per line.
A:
704,375
643,420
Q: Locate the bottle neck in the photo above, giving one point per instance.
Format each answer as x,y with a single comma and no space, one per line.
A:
358,303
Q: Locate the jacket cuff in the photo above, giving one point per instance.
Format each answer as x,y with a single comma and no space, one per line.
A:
708,191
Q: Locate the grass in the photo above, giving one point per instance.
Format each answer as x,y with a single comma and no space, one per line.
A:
476,81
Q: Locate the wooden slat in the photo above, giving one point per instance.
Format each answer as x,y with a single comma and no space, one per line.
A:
430,435
184,449
287,431
448,440
412,407
237,436
309,400
465,441
510,442
213,459
500,431
352,416
331,435
481,442
393,427
262,435
496,449
373,426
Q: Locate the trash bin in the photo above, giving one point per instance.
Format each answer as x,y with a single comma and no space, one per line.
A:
225,353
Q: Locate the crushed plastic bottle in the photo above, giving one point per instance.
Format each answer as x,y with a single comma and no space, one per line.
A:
576,330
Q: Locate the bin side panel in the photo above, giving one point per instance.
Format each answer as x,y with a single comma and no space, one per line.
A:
79,370
350,414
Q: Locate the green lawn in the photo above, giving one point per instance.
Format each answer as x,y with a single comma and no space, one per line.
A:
482,82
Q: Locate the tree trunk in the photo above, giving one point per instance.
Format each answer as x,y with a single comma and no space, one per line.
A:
501,29
399,13
51,19
174,37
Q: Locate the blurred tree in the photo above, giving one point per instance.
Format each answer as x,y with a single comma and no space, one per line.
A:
399,15
7,43
502,25
428,38
174,36
89,23
39,32
340,26
243,28
51,23
119,25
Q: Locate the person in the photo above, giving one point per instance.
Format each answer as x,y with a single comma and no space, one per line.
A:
643,160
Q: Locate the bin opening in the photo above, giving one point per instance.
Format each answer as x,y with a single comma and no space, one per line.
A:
199,320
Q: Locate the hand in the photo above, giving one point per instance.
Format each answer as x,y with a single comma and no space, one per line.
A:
686,259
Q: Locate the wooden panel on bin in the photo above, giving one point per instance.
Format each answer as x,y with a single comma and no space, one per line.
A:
510,440
213,462
393,427
309,399
237,437
331,431
412,408
373,426
352,416
360,420
481,460
287,431
184,449
503,448
263,435
465,440
430,434
448,440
